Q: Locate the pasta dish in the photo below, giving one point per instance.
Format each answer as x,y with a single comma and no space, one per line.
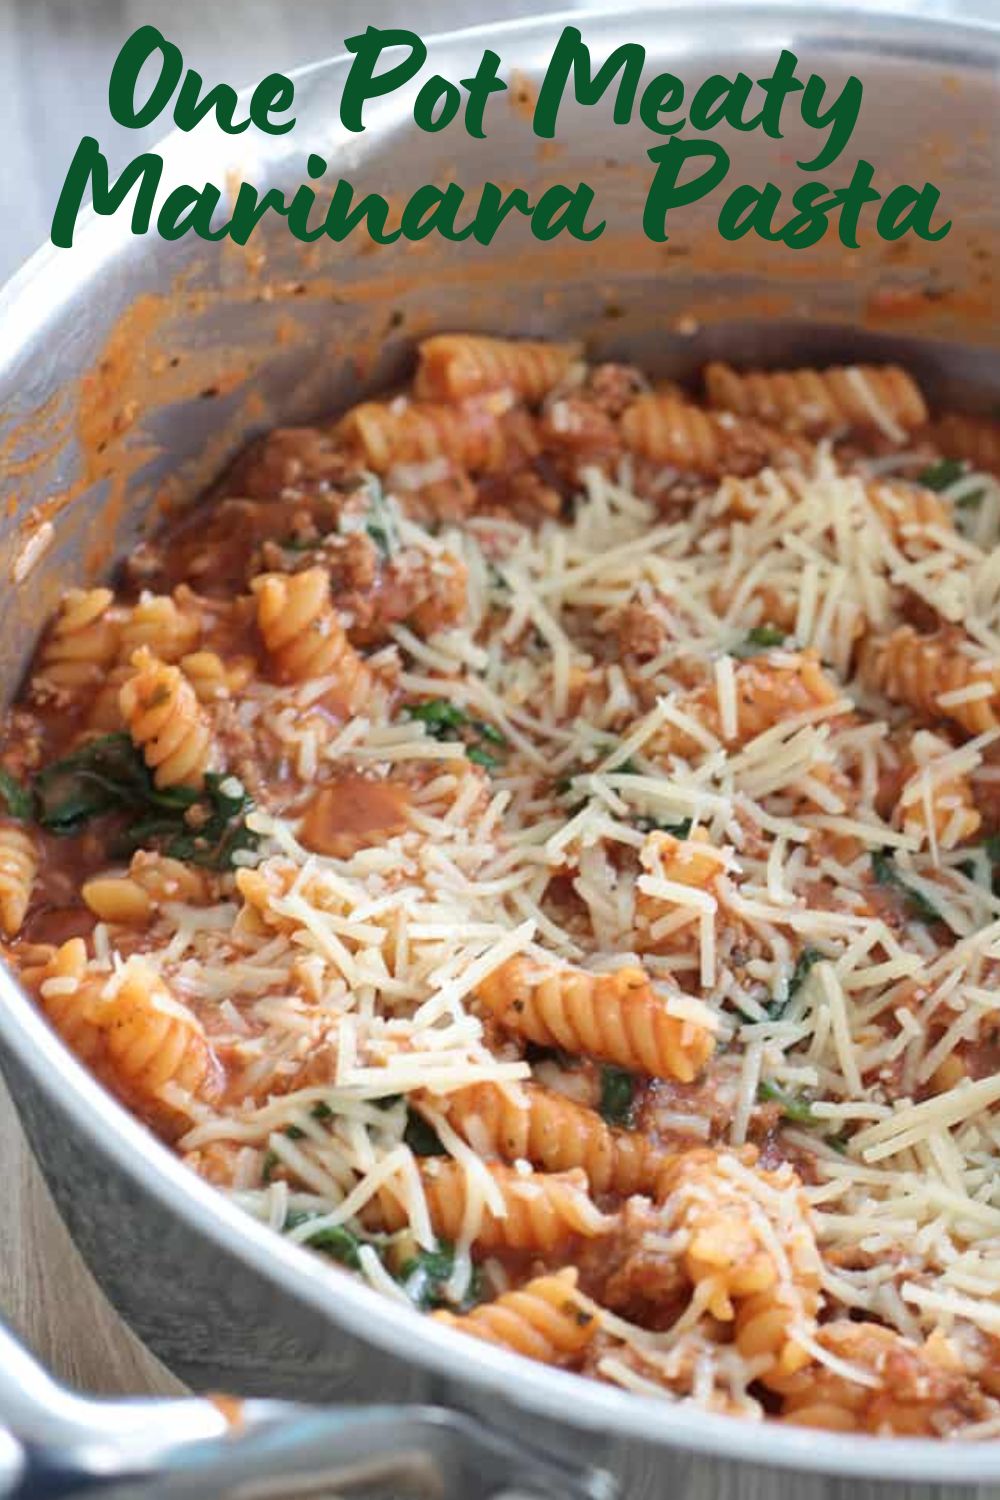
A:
535,842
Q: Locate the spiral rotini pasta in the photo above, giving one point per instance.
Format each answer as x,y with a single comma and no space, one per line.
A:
913,516
766,693
910,513
616,1017
692,861
66,997
867,398
157,623
936,802
130,1028
472,436
453,366
117,898
555,1133
666,430
104,714
304,637
974,439
82,643
151,1039
750,1252
536,847
942,676
542,1211
214,678
166,721
902,1388
152,879
544,1320
18,868
166,879
259,887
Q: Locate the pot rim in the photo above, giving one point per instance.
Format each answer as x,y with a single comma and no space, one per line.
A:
597,1409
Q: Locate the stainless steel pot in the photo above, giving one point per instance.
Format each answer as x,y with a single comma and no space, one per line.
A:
131,369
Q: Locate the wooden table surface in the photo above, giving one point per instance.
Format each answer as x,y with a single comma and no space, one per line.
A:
55,56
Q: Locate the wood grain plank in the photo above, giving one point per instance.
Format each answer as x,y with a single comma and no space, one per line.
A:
49,1297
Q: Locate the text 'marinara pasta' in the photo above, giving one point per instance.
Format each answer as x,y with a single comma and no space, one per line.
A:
149,81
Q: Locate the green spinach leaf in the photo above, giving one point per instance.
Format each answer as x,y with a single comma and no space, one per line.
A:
618,1090
447,722
798,1109
18,799
108,774
679,830
338,1242
938,476
794,1107
917,905
440,718
804,964
760,638
380,523
421,1138
425,1276
480,756
947,472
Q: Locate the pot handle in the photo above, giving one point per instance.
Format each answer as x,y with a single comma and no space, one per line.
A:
55,1443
